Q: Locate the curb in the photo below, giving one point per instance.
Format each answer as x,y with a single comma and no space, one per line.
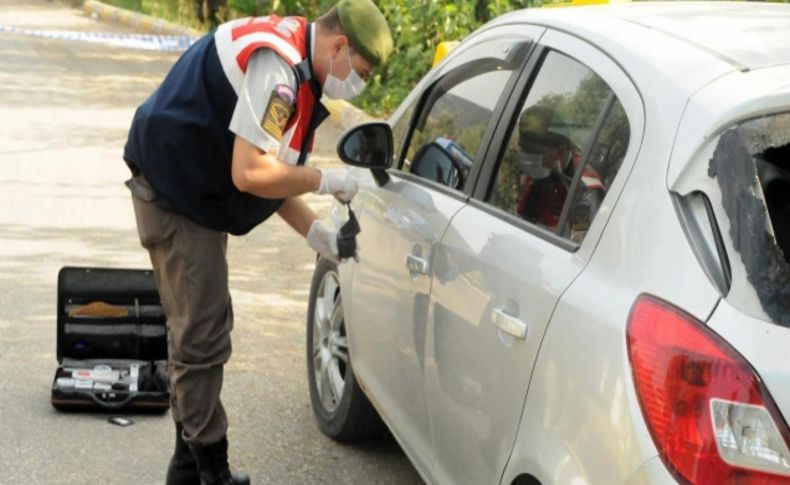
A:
341,112
145,23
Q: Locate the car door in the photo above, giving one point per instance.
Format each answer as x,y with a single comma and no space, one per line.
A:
507,256
440,139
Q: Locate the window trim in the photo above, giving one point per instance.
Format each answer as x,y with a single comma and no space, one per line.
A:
491,128
430,184
534,229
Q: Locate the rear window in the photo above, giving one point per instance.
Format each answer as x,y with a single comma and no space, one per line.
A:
751,166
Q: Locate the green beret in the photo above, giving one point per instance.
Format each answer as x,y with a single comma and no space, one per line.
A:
366,29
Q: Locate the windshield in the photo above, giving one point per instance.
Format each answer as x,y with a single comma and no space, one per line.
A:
751,165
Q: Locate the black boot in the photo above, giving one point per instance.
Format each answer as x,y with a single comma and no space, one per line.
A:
213,466
183,469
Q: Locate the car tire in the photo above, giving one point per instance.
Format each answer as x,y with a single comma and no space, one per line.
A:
343,414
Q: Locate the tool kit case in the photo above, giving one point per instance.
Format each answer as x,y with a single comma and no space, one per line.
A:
111,341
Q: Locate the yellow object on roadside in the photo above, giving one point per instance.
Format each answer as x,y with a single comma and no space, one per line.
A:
442,50
577,3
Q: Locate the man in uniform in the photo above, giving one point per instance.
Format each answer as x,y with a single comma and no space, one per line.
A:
218,148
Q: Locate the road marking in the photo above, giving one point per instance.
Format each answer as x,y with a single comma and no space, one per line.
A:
150,42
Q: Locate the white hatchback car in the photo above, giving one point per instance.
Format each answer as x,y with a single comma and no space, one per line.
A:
575,255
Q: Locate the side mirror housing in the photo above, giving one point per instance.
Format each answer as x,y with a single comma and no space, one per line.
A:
434,162
368,146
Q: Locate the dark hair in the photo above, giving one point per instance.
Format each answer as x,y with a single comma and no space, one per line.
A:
330,21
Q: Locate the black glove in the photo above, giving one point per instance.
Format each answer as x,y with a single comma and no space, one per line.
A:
347,237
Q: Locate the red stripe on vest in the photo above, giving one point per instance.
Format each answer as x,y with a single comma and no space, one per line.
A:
244,56
271,25
292,30
304,97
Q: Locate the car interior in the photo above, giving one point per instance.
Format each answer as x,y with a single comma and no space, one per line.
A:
773,167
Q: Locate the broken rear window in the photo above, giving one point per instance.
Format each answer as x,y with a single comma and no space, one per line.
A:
751,165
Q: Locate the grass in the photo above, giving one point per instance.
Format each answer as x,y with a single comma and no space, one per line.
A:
178,11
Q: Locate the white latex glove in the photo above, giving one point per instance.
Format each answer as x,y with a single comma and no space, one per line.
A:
323,240
339,183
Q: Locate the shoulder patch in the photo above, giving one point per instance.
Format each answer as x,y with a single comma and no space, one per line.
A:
286,93
278,111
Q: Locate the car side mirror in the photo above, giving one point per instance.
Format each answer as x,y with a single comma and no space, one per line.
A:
435,163
368,146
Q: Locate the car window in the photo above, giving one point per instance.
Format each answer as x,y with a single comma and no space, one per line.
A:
401,128
545,176
456,110
750,169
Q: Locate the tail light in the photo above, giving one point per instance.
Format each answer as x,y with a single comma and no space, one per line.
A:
710,416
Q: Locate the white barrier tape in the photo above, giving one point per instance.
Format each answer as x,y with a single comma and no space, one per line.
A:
170,43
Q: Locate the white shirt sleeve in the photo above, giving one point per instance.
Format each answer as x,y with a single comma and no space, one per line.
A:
265,71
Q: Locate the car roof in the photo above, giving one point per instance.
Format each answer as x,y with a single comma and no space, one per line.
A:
740,36
746,34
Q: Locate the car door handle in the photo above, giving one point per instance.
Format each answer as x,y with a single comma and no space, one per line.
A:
416,264
509,324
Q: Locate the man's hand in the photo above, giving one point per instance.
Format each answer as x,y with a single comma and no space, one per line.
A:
339,183
323,239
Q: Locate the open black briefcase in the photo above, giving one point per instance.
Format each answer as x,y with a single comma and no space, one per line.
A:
111,342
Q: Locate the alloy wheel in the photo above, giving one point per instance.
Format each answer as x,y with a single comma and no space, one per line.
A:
329,343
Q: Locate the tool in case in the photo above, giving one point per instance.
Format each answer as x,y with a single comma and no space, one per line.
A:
111,341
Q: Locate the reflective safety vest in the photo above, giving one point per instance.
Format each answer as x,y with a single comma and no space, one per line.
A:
238,40
179,138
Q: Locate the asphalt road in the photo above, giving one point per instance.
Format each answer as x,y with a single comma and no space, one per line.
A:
65,107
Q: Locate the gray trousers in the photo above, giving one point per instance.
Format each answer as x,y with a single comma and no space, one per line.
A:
191,272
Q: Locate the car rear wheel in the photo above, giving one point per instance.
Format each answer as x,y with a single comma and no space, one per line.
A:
342,410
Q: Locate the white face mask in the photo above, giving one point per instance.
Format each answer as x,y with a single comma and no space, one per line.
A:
531,165
347,88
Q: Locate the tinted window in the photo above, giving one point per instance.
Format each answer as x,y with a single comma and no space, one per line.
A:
457,109
400,129
568,112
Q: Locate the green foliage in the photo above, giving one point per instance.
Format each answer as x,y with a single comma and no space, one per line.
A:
306,8
249,7
180,11
136,5
417,26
